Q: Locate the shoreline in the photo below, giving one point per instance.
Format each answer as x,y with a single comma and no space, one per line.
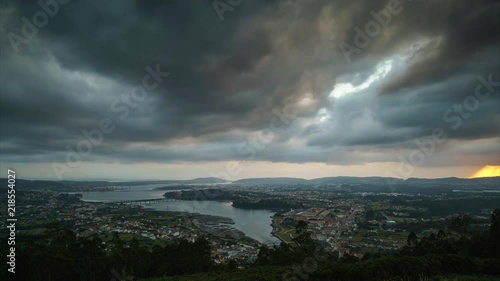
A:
217,231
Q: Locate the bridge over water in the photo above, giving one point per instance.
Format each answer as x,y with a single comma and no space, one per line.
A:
146,201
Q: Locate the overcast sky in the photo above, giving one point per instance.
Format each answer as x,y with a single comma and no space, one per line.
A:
258,89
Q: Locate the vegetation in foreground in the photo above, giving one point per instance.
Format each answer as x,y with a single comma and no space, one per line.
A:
60,255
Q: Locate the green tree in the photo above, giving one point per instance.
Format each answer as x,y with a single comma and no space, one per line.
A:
301,227
370,215
461,224
495,224
412,239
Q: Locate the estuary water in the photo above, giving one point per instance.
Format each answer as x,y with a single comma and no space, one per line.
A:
254,223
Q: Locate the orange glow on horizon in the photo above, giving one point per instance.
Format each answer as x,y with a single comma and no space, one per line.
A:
487,171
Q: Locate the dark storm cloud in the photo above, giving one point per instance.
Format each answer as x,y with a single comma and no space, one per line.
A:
227,76
463,28
466,27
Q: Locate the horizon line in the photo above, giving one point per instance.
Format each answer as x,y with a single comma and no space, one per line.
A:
229,181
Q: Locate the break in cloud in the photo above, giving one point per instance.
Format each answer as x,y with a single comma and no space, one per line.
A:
227,76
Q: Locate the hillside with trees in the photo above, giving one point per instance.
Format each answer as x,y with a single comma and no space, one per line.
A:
60,255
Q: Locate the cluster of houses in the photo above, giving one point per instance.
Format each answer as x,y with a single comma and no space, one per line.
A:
323,223
222,253
86,220
335,226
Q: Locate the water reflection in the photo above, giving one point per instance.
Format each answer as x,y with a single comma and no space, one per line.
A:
254,223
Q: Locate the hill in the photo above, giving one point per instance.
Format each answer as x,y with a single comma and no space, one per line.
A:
272,181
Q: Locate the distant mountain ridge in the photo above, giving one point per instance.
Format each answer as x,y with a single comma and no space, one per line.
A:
374,180
272,181
355,180
454,181
60,185
206,180
490,182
